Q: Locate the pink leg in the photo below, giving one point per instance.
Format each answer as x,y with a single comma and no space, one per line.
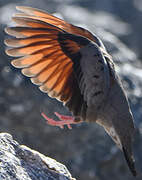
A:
64,120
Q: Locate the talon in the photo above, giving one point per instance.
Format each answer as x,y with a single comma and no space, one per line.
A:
52,122
63,117
64,120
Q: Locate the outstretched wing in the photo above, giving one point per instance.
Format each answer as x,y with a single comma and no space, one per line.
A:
48,18
47,52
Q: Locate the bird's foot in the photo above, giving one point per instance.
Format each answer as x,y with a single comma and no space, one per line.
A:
64,120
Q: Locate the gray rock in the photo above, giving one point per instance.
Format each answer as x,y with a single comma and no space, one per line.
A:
18,162
88,152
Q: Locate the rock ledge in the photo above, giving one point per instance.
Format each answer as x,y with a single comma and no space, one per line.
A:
18,162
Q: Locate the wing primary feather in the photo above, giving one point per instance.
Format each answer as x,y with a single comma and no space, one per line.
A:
41,20
61,24
54,72
14,42
55,44
33,59
26,61
26,21
22,32
30,49
38,13
60,77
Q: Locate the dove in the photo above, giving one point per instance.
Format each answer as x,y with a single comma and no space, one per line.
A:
71,64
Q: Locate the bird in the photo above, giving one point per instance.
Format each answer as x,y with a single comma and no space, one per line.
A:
71,64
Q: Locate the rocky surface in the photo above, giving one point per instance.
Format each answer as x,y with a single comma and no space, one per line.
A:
18,162
86,150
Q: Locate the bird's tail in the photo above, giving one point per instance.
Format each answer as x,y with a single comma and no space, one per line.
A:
129,159
125,144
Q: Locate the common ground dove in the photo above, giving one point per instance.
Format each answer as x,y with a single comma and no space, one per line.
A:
72,65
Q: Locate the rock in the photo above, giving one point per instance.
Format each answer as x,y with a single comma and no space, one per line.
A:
19,162
88,152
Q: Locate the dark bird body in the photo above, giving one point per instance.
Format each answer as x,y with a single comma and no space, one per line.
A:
72,65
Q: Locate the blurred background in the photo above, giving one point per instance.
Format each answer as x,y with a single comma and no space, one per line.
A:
86,150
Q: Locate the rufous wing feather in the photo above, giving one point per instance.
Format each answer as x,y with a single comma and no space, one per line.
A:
48,18
38,45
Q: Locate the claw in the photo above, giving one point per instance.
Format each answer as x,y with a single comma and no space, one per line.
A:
63,117
52,122
64,120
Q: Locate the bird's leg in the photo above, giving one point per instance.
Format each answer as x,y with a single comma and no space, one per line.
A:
64,120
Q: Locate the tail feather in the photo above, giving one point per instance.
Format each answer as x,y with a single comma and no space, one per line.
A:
130,161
